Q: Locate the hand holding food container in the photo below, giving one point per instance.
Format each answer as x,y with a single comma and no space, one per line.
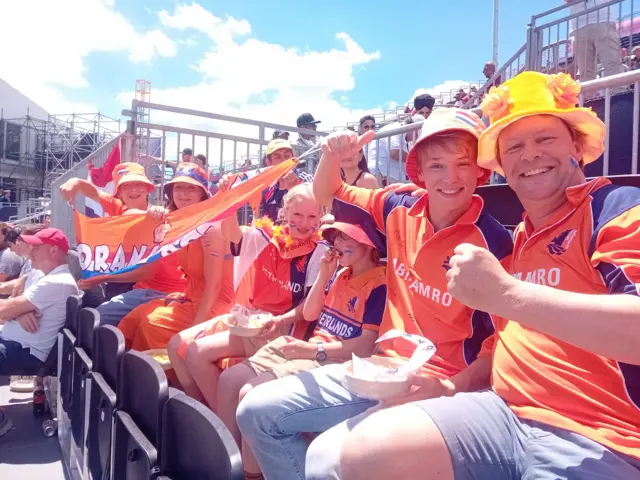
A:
380,378
244,322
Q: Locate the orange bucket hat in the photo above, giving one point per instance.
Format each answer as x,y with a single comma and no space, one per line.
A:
440,121
129,173
189,173
533,93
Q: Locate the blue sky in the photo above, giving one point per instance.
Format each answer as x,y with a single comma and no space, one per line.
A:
400,47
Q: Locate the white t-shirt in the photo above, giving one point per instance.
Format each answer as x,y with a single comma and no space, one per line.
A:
381,151
48,294
602,15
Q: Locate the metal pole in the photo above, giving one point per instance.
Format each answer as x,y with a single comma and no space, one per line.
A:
496,22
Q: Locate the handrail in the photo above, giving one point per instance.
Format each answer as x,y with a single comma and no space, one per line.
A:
554,10
579,14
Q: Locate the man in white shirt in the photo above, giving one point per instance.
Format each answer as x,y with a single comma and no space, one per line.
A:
595,34
31,321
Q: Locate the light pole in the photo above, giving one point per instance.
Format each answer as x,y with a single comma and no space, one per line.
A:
496,16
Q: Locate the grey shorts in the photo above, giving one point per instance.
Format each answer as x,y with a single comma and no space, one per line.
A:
488,442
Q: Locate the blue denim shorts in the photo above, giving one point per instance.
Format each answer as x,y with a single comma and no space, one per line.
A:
487,441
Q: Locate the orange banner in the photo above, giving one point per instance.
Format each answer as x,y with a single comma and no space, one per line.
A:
111,245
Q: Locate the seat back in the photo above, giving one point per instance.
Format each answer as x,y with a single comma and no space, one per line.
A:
195,443
109,347
69,332
88,323
134,457
142,392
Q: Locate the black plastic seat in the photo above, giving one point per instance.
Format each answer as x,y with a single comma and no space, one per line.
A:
68,336
195,443
88,323
141,395
109,347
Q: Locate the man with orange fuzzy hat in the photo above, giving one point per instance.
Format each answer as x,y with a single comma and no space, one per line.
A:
565,402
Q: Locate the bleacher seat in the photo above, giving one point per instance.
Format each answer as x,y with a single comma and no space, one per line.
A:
88,323
141,395
68,338
109,346
195,443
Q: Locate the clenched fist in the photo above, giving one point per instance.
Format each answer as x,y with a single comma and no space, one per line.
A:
345,143
477,279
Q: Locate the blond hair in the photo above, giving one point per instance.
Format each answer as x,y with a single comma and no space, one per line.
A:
303,190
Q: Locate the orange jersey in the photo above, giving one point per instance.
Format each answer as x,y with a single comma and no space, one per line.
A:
111,204
418,260
280,277
592,246
352,304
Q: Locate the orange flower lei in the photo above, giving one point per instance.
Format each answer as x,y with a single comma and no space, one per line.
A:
281,234
565,89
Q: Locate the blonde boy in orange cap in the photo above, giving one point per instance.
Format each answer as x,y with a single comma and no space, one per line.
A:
420,236
131,187
565,402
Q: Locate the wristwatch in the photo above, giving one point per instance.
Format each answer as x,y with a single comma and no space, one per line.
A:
321,355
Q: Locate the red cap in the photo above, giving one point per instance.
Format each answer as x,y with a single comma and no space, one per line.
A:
353,231
48,236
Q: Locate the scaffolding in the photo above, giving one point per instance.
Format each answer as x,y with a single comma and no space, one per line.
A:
35,151
72,137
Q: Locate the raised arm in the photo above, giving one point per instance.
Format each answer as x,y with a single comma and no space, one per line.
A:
337,146
73,187
214,248
315,300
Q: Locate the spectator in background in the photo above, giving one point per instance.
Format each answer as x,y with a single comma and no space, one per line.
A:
368,122
277,152
10,263
187,155
201,161
6,196
489,71
22,250
306,141
280,134
354,171
422,105
31,321
635,57
594,35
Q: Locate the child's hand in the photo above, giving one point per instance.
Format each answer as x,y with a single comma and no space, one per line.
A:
157,213
329,263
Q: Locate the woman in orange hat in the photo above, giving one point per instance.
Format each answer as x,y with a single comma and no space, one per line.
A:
131,190
207,266
348,305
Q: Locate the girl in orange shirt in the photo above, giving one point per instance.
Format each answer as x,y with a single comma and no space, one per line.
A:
284,262
207,265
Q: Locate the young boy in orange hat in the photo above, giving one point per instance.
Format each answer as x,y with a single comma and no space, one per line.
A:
565,402
420,236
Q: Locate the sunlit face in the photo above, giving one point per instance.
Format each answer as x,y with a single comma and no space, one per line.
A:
351,251
539,157
424,111
280,156
41,255
302,215
352,161
134,195
185,194
450,174
367,125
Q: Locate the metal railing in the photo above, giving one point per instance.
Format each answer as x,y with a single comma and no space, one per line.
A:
558,27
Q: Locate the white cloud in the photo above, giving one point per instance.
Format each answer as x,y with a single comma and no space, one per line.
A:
60,34
196,17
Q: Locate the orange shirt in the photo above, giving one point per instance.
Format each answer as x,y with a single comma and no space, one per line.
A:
111,205
168,277
418,259
352,304
592,246
191,260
